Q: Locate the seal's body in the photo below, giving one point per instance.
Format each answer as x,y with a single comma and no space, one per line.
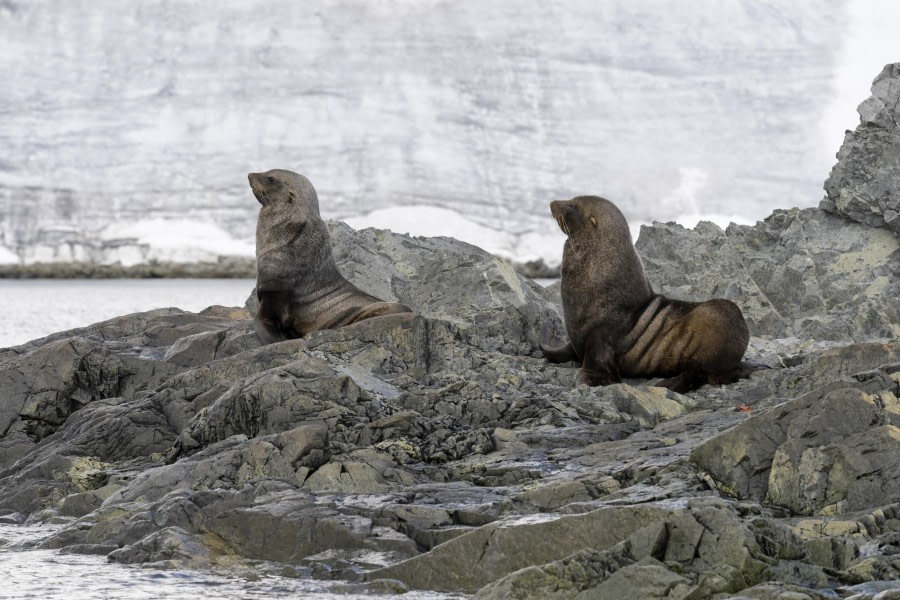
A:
297,283
618,327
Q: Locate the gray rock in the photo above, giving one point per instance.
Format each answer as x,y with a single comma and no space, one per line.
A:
826,452
798,273
706,547
472,560
864,185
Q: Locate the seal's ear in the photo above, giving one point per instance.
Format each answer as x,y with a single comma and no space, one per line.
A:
594,221
291,197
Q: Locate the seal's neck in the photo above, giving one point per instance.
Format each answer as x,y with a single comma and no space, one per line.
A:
292,253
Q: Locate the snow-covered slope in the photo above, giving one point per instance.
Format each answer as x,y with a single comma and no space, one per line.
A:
122,112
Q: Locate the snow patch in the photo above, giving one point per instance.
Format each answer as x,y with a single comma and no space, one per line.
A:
8,257
170,240
432,221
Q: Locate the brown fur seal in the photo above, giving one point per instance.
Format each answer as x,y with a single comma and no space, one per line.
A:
298,285
619,328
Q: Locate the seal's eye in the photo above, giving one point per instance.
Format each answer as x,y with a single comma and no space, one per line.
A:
271,179
594,221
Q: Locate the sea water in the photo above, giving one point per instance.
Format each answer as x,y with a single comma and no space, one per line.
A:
33,308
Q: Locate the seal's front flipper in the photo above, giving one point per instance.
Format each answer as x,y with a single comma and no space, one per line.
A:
599,366
554,350
269,324
750,366
267,331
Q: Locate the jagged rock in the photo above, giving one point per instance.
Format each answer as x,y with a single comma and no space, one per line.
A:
864,185
828,451
705,548
798,273
473,560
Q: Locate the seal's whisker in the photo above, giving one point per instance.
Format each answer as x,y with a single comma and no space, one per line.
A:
565,227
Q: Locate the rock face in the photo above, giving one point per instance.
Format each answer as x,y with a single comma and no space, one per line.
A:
865,183
798,273
439,451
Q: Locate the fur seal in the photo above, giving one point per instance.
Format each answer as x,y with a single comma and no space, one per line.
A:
297,282
618,327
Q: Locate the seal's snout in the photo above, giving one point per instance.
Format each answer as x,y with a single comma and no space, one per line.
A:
255,187
561,211
556,208
562,207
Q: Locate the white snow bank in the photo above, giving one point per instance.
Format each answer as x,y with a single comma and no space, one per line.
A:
432,221
170,240
8,257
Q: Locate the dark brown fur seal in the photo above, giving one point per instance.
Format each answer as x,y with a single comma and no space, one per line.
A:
298,285
619,328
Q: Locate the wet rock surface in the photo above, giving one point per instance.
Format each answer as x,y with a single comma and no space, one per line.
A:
439,451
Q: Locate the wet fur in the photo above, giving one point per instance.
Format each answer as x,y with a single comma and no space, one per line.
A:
298,285
618,327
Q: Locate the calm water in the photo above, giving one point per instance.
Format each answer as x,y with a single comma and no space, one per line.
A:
33,308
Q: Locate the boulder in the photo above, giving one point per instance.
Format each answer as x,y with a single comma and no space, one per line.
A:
445,279
826,452
704,548
798,273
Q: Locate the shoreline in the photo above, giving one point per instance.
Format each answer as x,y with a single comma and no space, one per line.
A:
225,268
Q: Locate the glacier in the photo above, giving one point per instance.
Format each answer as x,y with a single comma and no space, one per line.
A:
121,120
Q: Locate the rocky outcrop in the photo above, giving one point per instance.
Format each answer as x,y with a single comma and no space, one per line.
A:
864,185
798,273
439,451
704,548
829,451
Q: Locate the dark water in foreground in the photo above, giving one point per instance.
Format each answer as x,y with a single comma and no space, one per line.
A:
50,575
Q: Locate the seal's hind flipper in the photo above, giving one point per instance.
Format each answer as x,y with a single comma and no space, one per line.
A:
685,382
554,350
749,366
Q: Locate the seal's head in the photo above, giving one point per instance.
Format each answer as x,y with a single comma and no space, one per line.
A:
281,188
587,217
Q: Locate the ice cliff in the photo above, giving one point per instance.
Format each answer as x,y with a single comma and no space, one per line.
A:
122,114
